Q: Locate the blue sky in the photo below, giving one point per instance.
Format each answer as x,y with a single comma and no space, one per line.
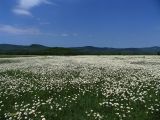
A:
70,23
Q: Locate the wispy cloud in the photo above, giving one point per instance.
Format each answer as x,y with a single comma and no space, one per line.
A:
64,34
24,6
9,29
14,30
22,12
68,34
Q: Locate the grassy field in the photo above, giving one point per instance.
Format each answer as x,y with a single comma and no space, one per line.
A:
80,88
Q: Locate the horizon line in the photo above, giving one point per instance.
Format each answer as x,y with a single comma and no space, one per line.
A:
78,46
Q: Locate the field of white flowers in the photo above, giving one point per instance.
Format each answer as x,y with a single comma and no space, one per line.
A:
80,88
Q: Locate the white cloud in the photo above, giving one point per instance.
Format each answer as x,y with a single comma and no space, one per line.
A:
24,6
18,31
21,12
64,35
14,30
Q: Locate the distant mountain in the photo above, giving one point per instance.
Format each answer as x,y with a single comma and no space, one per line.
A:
16,47
37,46
133,51
10,47
36,49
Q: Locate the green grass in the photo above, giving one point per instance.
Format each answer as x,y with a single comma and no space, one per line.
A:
75,101
16,56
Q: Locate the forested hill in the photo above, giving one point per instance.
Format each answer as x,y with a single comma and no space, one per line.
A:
36,49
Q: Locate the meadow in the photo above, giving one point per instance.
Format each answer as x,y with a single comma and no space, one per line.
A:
80,88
